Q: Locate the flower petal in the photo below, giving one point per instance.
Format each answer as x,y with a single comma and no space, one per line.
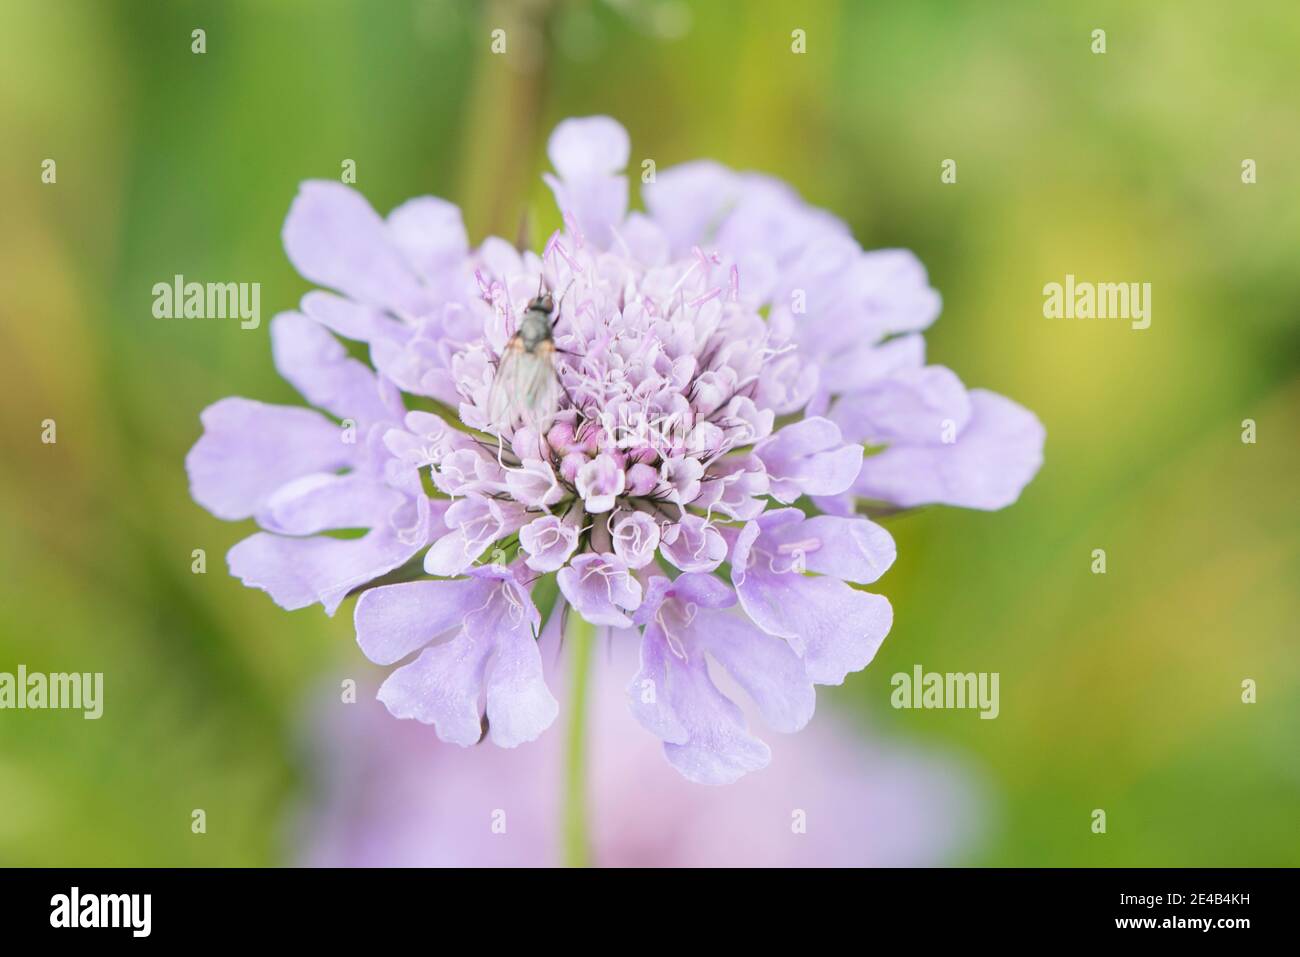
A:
324,501
718,749
431,235
893,287
548,542
910,406
994,457
857,366
333,237
852,549
297,572
588,154
249,449
766,667
809,457
689,199
318,366
352,320
835,628
394,620
588,146
519,705
646,698
693,544
600,588
441,687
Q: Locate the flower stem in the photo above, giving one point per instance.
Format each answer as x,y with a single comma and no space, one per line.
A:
577,846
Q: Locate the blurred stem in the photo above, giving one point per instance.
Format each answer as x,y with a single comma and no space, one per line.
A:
504,125
577,845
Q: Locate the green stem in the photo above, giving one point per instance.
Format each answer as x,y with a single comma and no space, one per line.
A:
577,847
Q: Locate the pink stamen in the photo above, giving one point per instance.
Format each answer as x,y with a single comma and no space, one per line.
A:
564,254
705,258
573,228
805,546
701,300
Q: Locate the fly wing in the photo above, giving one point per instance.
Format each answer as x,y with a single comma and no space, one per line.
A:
501,397
524,389
540,389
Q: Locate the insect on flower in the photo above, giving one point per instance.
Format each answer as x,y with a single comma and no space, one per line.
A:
526,387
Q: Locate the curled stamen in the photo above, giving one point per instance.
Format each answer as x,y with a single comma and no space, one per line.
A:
692,610
516,610
798,557
675,644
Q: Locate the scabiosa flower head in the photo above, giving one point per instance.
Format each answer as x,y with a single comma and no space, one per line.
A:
646,417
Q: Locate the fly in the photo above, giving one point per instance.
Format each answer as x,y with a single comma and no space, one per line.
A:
526,387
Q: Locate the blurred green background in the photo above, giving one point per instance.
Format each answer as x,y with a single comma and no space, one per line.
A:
1119,691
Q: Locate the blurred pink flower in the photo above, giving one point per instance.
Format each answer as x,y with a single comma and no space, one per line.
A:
389,795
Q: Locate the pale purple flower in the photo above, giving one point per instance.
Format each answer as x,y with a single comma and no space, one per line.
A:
727,353
599,483
533,484
636,539
601,588
488,625
693,544
548,542
475,523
